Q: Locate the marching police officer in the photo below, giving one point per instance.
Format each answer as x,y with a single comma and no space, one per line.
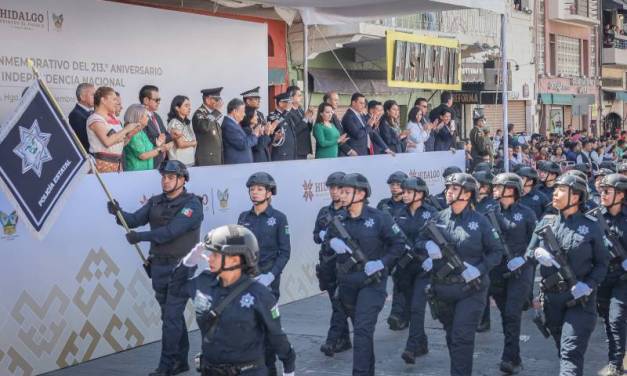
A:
570,306
439,200
612,295
589,203
399,314
595,194
175,217
207,124
531,196
548,172
460,295
236,314
338,337
271,229
412,275
512,279
485,201
362,262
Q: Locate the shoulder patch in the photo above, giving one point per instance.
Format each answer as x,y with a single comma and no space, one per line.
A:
187,212
275,312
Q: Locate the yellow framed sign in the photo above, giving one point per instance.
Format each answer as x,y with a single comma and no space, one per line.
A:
422,62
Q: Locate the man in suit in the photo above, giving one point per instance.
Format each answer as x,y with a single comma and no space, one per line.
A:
375,112
150,98
446,103
261,151
333,99
356,125
284,137
237,144
207,124
84,107
303,123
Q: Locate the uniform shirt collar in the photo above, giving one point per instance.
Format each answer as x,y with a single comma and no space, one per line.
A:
268,212
462,215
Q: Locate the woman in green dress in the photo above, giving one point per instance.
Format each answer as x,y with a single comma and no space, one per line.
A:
326,134
139,152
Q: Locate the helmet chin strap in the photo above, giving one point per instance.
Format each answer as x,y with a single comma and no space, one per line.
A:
614,202
459,195
413,198
224,268
570,192
176,187
353,200
546,180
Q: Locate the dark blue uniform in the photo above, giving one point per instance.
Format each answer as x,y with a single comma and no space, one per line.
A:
536,201
273,236
400,305
517,224
378,239
287,150
327,276
478,244
571,327
245,326
174,230
548,191
487,204
612,296
412,280
440,198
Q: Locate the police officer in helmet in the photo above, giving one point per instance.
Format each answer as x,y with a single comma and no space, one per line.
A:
439,200
362,284
612,296
460,296
512,280
175,217
531,195
395,201
338,337
271,229
570,308
547,173
237,315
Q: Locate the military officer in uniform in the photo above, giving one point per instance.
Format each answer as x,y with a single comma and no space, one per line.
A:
284,136
400,312
237,315
362,284
413,278
272,231
460,296
207,124
570,310
175,217
612,296
512,280
338,336
531,195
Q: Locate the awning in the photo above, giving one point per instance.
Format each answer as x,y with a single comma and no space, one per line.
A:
559,99
581,104
615,95
614,4
369,82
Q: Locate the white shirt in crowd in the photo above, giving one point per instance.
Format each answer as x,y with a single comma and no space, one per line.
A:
418,135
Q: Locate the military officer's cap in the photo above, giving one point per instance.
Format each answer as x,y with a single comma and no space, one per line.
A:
215,92
283,97
252,93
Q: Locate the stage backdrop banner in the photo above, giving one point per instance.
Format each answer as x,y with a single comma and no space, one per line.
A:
126,47
81,293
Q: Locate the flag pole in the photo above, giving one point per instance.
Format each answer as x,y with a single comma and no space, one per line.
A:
86,155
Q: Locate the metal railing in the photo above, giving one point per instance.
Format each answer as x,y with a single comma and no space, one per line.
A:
474,22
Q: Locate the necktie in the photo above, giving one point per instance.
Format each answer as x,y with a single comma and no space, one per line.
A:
154,120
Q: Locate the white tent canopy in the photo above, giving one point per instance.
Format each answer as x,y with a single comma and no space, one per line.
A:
328,12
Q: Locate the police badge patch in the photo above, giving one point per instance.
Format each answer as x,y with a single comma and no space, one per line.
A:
426,215
473,226
583,229
518,217
369,222
535,198
247,301
271,221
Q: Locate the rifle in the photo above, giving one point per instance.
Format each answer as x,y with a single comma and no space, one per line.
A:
506,250
431,200
410,253
453,263
564,273
616,248
357,257
539,320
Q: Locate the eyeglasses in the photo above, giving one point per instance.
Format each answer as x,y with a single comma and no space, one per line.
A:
158,100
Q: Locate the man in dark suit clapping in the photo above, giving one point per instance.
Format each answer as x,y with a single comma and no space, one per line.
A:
149,97
355,125
84,107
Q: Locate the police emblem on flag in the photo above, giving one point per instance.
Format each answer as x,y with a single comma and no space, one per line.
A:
39,159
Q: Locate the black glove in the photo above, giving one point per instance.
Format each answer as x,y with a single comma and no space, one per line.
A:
132,237
113,207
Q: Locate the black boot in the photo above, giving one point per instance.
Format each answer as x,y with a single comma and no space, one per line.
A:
179,367
423,349
510,368
328,348
343,344
396,323
160,371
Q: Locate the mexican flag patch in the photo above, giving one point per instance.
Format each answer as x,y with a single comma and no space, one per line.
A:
187,212
275,311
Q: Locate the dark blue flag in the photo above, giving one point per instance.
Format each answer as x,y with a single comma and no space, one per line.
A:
39,160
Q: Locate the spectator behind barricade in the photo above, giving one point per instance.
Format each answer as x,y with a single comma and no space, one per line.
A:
619,150
354,124
423,106
333,99
106,141
373,122
446,104
488,144
237,144
558,155
150,98
303,122
419,132
81,111
326,134
445,133
261,152
180,127
390,128
542,154
497,139
139,152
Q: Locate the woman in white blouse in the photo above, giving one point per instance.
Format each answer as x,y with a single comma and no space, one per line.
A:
419,131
